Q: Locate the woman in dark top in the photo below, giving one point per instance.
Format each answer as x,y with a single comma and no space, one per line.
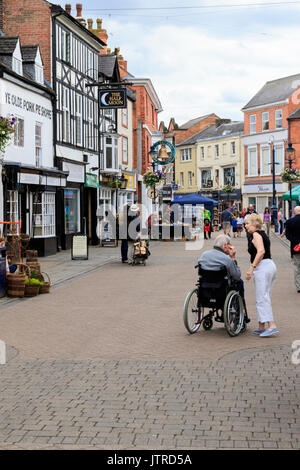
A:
263,270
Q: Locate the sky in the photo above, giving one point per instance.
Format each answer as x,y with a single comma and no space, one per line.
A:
202,56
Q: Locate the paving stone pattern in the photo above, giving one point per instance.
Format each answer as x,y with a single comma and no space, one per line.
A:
126,404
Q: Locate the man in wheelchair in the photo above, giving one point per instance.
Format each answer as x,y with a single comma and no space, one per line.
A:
220,288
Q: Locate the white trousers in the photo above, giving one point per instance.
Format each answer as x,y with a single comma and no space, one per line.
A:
264,276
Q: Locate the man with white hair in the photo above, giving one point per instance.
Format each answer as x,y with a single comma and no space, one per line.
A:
292,233
222,254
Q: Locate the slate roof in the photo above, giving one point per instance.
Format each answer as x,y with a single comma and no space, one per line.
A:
8,45
295,114
107,64
192,122
274,91
29,53
212,132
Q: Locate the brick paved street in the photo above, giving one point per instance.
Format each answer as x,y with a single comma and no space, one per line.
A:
104,361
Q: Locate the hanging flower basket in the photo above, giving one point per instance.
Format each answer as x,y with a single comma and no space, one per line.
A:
290,175
116,184
7,128
152,178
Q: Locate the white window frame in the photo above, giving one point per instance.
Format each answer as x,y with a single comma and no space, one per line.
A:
17,66
46,219
66,114
265,119
39,74
124,117
208,170
280,167
114,153
202,152
217,151
186,154
265,147
90,118
13,214
190,178
253,123
79,122
233,148
182,179
278,118
256,167
124,149
38,144
19,133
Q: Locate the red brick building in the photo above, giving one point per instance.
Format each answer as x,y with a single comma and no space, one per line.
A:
271,120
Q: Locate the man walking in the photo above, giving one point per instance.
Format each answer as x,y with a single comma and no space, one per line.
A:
292,233
226,216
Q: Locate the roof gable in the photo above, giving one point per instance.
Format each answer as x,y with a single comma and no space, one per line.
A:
8,45
274,91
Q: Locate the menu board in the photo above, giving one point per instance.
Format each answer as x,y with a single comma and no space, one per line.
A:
79,247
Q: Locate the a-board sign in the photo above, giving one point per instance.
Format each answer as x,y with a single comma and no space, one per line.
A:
80,247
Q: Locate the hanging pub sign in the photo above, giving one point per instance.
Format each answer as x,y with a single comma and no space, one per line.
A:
111,99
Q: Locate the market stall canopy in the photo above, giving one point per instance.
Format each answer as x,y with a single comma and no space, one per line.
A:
193,199
295,194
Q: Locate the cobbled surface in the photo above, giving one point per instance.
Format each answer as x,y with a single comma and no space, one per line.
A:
245,400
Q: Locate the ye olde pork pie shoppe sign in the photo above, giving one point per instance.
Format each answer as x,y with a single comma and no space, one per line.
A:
27,105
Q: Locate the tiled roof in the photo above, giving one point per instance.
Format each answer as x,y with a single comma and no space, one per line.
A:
107,64
210,132
295,114
274,91
29,53
192,122
8,45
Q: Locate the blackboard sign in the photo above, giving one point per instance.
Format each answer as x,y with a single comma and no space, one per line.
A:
79,247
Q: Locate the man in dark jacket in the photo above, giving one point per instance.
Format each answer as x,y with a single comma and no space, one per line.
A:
292,233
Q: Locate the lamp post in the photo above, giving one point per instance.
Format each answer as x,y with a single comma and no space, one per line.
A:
274,205
290,151
121,183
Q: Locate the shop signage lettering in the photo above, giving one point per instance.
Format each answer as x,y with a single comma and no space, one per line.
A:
21,103
111,99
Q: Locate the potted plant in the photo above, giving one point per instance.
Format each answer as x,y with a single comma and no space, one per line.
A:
228,189
152,178
32,287
290,175
116,184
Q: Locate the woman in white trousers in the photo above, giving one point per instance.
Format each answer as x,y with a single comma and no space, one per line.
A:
263,270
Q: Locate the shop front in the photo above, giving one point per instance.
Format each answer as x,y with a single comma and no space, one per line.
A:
261,196
91,187
30,196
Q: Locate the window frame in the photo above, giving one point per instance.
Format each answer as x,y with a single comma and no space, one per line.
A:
44,215
276,119
38,148
251,148
264,147
124,141
265,122
19,140
252,124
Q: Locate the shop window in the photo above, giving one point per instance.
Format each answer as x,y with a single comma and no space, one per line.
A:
206,179
13,212
43,214
252,200
71,200
229,176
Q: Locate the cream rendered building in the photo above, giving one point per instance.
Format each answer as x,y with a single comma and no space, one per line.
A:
186,167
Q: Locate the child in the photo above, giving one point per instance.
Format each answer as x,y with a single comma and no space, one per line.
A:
206,228
240,222
234,226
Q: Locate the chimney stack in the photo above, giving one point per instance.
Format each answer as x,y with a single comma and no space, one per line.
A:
79,17
68,8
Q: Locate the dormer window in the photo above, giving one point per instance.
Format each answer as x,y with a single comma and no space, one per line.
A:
39,75
17,66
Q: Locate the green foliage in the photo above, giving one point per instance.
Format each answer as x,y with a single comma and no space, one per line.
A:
7,128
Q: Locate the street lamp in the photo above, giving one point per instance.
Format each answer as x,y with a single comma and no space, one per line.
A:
274,205
291,159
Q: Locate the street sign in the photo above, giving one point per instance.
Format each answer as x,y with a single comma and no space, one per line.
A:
112,99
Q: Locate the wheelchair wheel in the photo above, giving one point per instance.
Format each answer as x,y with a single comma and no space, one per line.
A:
190,312
207,323
233,313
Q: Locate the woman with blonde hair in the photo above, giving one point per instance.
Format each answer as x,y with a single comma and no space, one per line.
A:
263,270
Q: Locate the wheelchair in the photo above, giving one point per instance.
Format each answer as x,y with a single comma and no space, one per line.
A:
215,297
